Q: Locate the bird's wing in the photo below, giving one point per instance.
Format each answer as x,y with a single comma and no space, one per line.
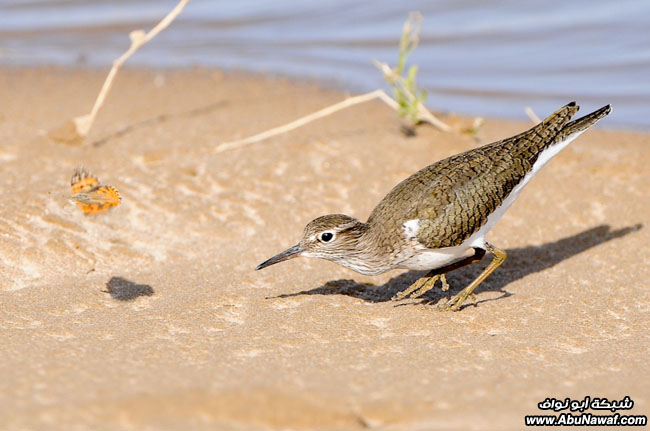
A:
453,198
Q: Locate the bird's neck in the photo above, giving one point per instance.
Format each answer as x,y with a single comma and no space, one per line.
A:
366,254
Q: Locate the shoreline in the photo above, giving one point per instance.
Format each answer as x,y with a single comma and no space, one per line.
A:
333,85
153,313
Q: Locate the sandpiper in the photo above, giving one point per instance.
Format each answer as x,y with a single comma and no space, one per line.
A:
437,218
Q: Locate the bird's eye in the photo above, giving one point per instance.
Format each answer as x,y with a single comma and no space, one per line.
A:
326,236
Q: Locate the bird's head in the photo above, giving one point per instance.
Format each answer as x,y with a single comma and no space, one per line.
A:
333,237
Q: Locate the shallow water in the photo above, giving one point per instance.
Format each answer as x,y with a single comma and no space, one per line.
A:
488,58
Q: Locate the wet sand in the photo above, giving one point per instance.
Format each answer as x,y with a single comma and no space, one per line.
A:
152,316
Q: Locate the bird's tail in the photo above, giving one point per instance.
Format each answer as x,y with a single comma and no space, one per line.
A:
551,126
582,123
535,140
557,131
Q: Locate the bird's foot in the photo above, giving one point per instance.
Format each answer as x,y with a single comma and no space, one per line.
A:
419,288
455,302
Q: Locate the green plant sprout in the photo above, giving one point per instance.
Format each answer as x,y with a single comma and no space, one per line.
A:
406,92
409,100
475,127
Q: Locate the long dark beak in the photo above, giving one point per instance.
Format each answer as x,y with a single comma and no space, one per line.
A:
289,253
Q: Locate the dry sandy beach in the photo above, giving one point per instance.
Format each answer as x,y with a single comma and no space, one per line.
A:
152,316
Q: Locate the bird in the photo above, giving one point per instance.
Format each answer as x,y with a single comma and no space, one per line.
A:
437,218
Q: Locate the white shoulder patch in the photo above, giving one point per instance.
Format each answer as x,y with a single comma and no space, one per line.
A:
411,228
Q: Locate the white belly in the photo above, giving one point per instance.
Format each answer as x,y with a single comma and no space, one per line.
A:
431,259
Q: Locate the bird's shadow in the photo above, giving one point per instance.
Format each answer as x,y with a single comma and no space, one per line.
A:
124,290
520,263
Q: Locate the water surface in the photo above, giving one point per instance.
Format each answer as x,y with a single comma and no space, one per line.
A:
488,58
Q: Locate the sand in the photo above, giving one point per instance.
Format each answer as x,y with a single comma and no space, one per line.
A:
152,316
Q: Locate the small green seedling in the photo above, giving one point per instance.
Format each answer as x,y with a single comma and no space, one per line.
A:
405,88
409,101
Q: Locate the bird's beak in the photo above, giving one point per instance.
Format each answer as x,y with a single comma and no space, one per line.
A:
289,253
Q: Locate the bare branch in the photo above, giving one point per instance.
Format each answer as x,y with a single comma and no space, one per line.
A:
377,94
76,132
531,114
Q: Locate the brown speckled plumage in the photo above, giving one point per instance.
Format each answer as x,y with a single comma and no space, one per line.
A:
454,197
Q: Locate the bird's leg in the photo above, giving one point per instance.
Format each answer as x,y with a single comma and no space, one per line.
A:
430,284
427,286
443,281
420,287
457,300
426,283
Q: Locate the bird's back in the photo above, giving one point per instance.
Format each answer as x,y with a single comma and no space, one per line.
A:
453,198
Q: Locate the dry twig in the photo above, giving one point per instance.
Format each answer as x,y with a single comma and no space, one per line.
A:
73,132
377,94
531,114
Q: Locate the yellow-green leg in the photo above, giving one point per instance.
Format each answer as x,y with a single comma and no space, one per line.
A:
422,286
443,282
457,300
426,283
